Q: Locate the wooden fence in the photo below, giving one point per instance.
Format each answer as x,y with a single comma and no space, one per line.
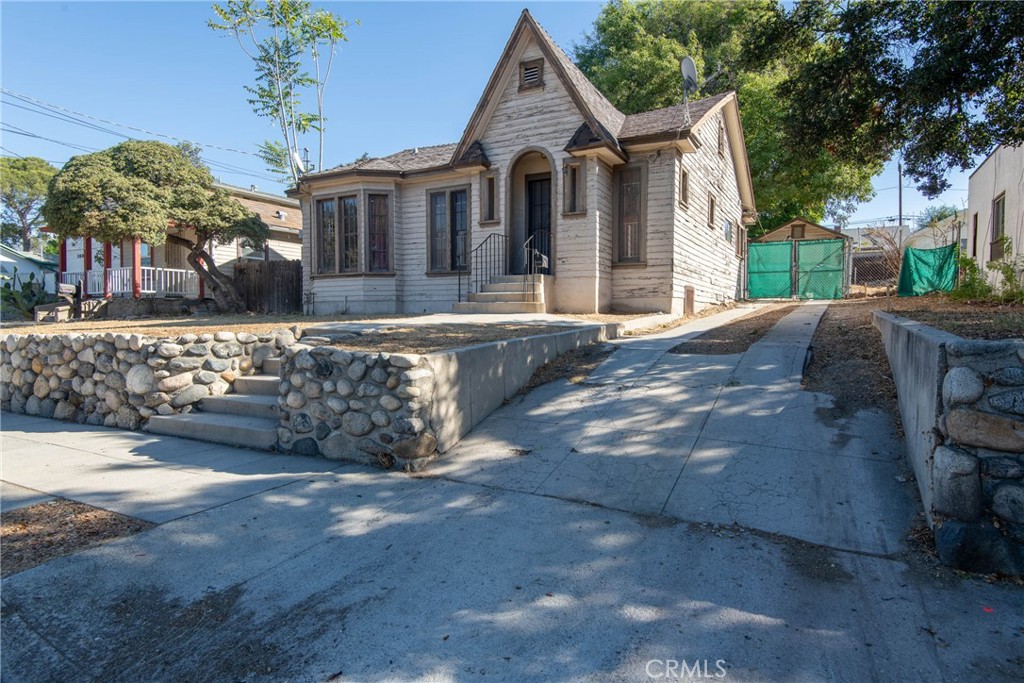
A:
270,286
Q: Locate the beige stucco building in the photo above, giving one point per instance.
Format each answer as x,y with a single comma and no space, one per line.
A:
995,207
645,212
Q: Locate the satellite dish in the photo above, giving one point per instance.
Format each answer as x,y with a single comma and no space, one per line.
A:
689,72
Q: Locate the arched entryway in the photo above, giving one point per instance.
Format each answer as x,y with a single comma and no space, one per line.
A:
531,197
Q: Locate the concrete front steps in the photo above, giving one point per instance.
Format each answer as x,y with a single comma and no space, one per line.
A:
506,294
247,418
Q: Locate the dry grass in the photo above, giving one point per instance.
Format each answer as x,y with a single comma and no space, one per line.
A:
606,317
710,310
738,335
39,533
573,365
849,361
970,319
430,338
173,327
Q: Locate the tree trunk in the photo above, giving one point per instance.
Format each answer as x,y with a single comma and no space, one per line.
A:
221,286
26,237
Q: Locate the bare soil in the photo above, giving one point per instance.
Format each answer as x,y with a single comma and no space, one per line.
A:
848,360
738,335
173,327
430,338
36,534
710,310
970,319
574,366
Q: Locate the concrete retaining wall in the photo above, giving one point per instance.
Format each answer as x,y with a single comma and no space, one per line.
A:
119,380
962,404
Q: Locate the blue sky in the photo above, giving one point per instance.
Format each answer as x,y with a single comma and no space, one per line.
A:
410,76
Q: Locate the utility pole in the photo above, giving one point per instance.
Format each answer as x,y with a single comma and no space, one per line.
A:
899,224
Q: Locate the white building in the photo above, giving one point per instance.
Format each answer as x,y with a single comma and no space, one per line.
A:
995,208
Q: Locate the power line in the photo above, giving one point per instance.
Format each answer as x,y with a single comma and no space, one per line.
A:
10,128
27,98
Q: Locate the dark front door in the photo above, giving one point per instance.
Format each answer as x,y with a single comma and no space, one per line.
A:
538,223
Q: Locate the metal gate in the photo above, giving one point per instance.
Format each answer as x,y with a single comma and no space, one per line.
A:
807,269
770,270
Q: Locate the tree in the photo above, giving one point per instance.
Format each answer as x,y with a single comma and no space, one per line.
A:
633,56
278,36
151,191
933,215
23,183
938,82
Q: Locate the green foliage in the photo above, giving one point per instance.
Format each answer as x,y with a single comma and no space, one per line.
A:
138,189
939,82
972,286
1011,273
279,36
23,183
633,55
19,297
933,215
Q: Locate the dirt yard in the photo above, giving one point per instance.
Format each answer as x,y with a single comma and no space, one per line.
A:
43,532
737,336
430,338
974,320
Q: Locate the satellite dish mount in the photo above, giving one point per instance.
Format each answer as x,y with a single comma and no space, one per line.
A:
688,69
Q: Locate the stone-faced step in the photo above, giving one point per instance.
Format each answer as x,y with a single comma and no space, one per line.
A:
231,430
268,385
251,405
272,366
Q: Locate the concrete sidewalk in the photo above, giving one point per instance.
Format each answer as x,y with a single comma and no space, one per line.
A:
278,568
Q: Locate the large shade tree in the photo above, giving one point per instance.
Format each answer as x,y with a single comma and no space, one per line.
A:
23,183
939,83
154,192
633,54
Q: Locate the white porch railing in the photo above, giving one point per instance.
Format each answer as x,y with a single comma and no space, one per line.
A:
158,281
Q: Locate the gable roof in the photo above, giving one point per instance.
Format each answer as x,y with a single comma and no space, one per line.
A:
412,160
668,120
31,258
600,115
800,220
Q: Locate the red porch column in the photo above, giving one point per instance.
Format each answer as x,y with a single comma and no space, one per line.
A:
202,285
63,256
108,256
87,266
136,268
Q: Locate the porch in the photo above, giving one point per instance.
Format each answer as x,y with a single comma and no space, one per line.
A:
151,281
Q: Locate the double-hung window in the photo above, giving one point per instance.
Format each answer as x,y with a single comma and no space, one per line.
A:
379,233
449,230
998,228
573,187
629,214
336,236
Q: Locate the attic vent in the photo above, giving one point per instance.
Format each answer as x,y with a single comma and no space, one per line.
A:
531,74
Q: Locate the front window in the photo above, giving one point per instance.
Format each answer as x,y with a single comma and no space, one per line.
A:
488,197
630,215
449,230
574,188
379,227
326,236
349,235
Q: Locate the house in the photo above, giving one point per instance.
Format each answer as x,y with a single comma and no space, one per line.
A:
19,265
162,269
799,259
553,200
995,207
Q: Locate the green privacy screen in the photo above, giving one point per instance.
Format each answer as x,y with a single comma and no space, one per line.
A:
927,270
820,269
770,270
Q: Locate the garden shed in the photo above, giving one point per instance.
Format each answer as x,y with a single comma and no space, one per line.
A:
801,260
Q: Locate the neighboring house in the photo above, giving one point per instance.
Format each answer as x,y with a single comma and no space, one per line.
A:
12,260
645,212
995,206
162,269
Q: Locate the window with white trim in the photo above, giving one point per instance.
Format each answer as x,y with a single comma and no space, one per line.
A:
573,187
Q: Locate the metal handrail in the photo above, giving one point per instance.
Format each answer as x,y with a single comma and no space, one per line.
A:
534,260
485,262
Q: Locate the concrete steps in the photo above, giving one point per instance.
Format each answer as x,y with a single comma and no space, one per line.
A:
247,418
231,430
506,294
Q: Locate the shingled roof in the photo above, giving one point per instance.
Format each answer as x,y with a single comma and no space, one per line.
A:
667,120
603,125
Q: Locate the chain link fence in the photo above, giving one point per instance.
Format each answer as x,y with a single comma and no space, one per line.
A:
877,253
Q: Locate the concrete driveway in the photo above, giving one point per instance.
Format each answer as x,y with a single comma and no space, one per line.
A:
686,513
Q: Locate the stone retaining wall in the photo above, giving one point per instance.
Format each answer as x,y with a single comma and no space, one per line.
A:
119,380
962,403
402,410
